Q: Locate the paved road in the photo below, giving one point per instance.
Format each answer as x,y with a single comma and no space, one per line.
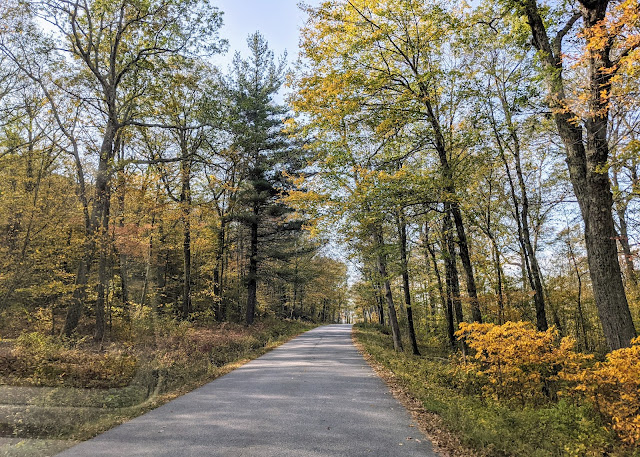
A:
314,396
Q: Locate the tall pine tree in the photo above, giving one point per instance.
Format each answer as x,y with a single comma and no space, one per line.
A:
257,124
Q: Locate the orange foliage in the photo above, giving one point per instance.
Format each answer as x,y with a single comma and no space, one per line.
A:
620,27
130,239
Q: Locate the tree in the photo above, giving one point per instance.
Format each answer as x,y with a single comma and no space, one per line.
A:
583,128
112,50
381,59
506,89
257,126
192,114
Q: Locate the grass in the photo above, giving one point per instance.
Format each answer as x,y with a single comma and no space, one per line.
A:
71,391
490,428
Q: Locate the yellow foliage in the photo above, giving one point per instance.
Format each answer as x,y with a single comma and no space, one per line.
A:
517,361
613,386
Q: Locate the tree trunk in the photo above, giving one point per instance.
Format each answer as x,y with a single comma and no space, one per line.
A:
453,269
626,247
451,277
531,269
252,277
524,232
429,299
149,267
102,273
454,207
588,165
377,290
382,271
98,213
185,205
444,303
122,258
380,302
580,324
124,281
536,275
218,272
402,229
499,274
621,206
98,334
74,312
465,258
495,253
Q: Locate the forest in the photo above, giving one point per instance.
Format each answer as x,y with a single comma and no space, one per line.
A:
459,177
138,178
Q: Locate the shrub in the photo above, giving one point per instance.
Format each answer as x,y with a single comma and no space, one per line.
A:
613,387
44,360
515,361
38,345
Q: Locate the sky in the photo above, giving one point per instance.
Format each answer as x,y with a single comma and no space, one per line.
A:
278,21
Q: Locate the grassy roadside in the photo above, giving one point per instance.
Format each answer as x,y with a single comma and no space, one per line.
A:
51,391
444,398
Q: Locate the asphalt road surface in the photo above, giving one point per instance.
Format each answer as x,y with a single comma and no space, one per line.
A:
314,396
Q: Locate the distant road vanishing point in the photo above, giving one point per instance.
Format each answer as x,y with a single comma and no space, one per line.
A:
314,396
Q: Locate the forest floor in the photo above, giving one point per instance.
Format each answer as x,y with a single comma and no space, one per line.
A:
54,394
449,408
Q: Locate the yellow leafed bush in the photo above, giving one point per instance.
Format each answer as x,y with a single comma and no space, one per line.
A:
613,386
514,361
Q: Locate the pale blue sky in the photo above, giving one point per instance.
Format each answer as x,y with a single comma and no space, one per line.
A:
278,20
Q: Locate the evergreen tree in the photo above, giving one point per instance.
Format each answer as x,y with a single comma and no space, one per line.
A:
257,124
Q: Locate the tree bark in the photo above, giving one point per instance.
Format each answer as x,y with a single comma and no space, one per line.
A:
382,271
587,160
402,229
252,277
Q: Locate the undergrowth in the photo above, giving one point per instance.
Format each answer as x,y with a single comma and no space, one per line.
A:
72,390
495,428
